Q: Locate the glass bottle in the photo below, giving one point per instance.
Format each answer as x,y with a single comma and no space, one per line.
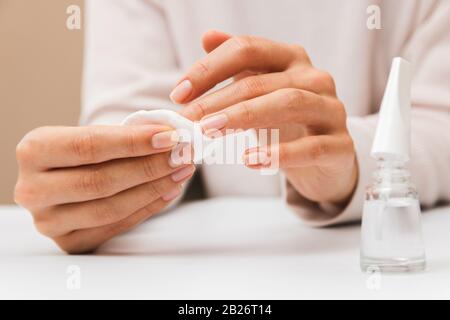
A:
391,234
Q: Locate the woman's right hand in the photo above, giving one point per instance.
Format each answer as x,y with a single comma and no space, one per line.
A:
85,185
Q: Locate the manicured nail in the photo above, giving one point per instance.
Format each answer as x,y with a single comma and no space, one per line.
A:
215,122
256,158
171,195
181,91
165,139
183,173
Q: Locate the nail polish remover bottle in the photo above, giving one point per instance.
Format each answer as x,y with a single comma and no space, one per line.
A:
391,239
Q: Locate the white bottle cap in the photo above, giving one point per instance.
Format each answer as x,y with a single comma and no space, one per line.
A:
393,137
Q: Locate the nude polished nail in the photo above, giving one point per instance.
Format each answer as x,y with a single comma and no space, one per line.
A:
181,91
183,173
256,158
215,122
164,140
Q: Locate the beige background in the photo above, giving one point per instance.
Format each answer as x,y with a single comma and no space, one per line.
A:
40,70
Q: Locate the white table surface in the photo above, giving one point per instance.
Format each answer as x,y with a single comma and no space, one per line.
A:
217,249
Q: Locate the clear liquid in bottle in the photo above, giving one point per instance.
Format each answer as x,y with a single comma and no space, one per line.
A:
391,235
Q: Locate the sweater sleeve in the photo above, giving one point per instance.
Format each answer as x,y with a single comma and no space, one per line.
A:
428,48
129,62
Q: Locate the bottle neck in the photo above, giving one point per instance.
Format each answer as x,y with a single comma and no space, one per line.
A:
391,172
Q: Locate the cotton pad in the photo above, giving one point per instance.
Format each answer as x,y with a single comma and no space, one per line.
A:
188,131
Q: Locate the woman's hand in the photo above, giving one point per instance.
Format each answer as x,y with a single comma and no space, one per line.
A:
275,86
84,185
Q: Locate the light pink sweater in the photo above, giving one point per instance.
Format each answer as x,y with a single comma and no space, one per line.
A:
137,49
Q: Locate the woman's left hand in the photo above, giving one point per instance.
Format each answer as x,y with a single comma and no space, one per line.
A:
275,86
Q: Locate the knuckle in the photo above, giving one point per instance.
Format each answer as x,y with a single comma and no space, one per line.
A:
44,227
318,150
341,114
131,141
28,146
96,183
201,68
325,80
295,98
24,151
294,79
200,109
45,223
149,167
249,116
244,46
83,147
25,194
254,85
104,213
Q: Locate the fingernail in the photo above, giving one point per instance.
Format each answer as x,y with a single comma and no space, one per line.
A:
255,158
215,122
183,173
181,91
165,139
171,195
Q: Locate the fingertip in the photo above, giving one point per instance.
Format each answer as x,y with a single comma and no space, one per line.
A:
182,91
255,158
211,39
165,139
214,122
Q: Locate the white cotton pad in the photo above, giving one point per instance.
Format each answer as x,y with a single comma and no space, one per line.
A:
188,131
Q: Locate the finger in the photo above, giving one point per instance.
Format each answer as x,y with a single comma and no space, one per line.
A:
247,88
278,107
304,152
212,39
63,219
97,181
232,57
87,240
254,85
51,147
243,75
